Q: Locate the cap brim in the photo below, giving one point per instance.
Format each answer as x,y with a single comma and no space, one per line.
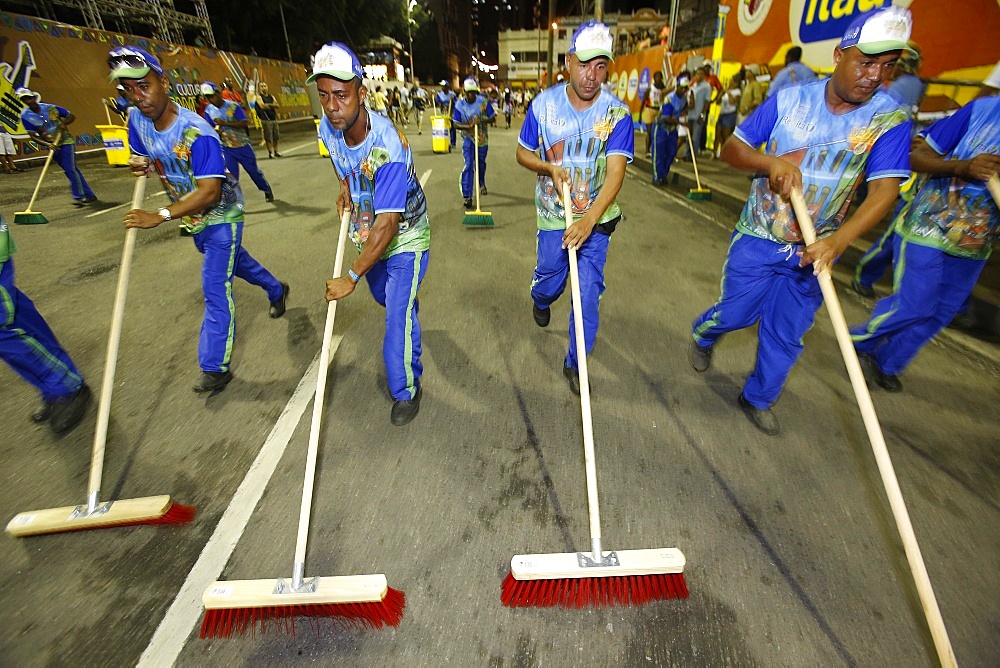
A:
129,73
875,48
589,54
336,74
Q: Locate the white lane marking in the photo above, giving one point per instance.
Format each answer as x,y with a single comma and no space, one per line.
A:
314,142
118,206
185,611
423,179
675,198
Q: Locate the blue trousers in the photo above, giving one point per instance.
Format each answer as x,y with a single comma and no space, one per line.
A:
664,151
468,148
762,281
929,288
876,260
245,156
28,345
552,273
222,246
65,156
394,282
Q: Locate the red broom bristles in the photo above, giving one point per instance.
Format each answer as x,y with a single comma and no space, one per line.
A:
225,622
596,592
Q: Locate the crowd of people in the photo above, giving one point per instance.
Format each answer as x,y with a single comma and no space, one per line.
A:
847,156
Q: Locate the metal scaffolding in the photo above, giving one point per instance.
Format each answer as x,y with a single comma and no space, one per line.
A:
166,22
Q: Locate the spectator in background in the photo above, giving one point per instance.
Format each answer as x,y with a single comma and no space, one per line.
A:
229,92
267,112
7,152
404,104
794,73
379,102
651,107
698,97
728,102
753,92
418,97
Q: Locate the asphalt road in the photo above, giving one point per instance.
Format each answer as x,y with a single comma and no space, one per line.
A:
792,555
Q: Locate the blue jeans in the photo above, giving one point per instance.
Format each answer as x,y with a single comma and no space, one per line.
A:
394,282
222,246
762,281
28,345
929,289
245,156
552,273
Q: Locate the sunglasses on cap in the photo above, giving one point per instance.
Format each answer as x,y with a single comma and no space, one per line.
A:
131,60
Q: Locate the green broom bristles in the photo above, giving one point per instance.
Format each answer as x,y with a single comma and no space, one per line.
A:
29,218
478,218
700,193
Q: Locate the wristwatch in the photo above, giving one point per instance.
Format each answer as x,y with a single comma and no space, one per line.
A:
165,214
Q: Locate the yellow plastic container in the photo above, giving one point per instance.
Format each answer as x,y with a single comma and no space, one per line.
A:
116,147
322,147
440,130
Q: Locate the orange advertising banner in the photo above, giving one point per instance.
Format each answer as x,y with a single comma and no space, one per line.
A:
67,66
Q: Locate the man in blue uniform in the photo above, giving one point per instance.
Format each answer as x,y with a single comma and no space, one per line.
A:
47,124
389,224
232,125
445,101
471,112
28,345
184,150
584,137
942,240
820,137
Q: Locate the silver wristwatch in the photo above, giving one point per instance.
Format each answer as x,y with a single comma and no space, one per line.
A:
165,214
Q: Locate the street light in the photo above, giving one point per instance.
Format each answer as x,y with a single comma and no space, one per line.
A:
409,34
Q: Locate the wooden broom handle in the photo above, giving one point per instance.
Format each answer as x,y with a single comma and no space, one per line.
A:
41,177
694,158
917,568
111,358
993,185
581,359
317,416
475,163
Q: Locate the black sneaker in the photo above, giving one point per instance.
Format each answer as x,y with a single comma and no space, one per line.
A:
762,418
404,410
861,289
482,191
270,156
212,381
278,306
268,196
278,155
541,315
67,411
42,414
89,200
468,203
701,358
873,374
573,377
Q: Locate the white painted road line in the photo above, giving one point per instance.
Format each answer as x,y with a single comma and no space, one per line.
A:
172,633
118,206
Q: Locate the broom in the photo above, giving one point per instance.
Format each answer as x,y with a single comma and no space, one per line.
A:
238,606
699,192
993,185
121,512
30,217
477,217
624,577
917,568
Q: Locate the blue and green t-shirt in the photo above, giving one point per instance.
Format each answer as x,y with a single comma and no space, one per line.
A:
464,112
956,216
182,154
580,141
832,151
380,175
46,120
229,111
